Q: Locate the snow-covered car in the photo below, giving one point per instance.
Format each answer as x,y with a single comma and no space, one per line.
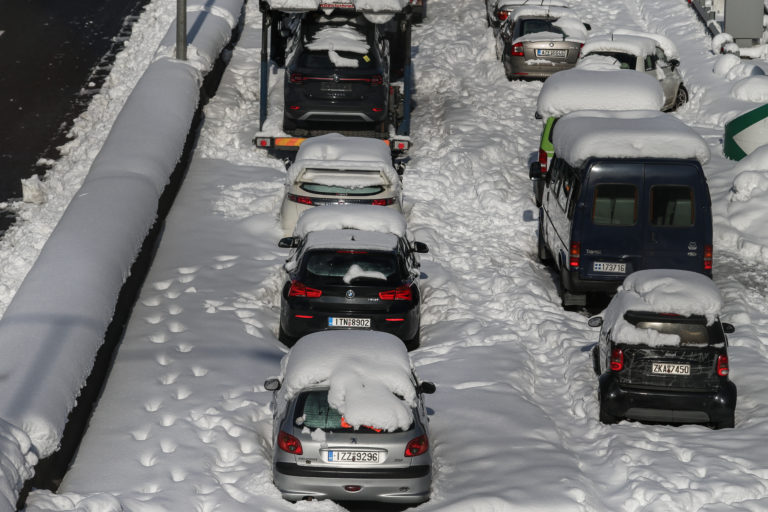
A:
351,267
589,88
662,353
535,42
652,54
350,421
498,11
335,169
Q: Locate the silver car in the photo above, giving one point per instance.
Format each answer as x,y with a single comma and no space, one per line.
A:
535,42
319,453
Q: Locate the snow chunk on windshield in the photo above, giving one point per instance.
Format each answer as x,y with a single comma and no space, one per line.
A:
352,216
629,134
368,373
355,271
679,292
586,89
340,39
571,27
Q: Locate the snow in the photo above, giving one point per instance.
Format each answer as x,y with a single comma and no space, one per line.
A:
345,38
572,27
527,11
356,271
351,239
748,204
364,371
587,89
666,44
384,6
753,88
626,134
352,216
634,45
184,424
661,291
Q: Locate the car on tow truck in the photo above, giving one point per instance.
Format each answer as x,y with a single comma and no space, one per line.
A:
349,421
662,354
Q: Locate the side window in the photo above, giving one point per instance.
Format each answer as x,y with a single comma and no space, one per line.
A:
615,204
650,62
564,192
573,198
555,175
672,205
661,58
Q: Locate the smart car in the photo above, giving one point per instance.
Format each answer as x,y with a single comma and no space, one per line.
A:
662,353
351,267
350,421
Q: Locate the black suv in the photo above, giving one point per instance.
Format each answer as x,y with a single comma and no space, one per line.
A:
338,75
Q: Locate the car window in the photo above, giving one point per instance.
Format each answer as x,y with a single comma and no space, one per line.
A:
626,60
672,205
335,190
615,204
532,26
661,58
692,330
320,60
360,267
650,62
313,411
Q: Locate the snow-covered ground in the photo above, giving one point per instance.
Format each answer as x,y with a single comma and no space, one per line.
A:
184,424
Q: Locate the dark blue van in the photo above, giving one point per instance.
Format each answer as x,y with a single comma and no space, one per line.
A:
608,210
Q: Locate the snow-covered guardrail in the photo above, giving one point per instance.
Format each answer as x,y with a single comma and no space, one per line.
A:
52,329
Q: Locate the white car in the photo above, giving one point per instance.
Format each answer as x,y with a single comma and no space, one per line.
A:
648,53
335,169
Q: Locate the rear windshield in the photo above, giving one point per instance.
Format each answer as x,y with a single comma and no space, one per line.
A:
313,411
360,267
672,205
319,60
615,204
626,60
532,26
692,330
334,190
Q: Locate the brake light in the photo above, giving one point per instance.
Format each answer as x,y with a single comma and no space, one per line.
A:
417,446
289,444
399,293
580,47
376,80
722,365
297,78
502,15
543,160
299,289
383,202
301,199
575,255
517,50
617,360
707,257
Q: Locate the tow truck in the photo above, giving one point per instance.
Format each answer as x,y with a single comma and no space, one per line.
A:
280,20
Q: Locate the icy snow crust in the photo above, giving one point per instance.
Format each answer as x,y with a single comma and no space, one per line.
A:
660,291
364,370
628,134
582,89
352,216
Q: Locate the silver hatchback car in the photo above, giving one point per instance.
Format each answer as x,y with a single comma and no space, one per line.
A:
350,422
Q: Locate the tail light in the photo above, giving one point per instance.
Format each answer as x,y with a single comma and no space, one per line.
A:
399,293
376,80
296,78
289,444
417,446
383,202
502,15
517,50
580,47
707,257
299,289
574,255
543,160
617,360
722,365
301,199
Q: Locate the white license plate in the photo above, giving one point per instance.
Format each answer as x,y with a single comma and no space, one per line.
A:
604,266
551,53
671,369
355,323
353,456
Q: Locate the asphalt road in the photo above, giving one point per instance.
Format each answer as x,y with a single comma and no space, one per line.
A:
53,58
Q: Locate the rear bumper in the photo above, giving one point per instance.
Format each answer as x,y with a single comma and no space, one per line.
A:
662,405
522,67
575,284
359,110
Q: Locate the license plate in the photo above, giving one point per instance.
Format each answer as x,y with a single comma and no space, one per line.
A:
671,369
353,456
551,53
355,323
335,88
603,266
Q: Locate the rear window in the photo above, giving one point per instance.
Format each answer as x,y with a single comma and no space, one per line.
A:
359,267
313,411
626,60
672,205
319,60
615,205
533,26
692,330
335,190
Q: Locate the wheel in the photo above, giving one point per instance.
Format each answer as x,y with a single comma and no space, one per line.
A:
543,252
726,423
605,417
289,125
288,341
414,342
681,98
595,360
499,49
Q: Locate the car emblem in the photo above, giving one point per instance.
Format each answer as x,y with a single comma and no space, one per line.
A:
350,294
336,78
692,246
551,45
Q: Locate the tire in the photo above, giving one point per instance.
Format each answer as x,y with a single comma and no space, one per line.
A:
286,340
543,253
289,125
726,423
681,98
595,360
414,342
499,51
605,417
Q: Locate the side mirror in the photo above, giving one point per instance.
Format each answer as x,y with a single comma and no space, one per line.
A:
427,387
673,64
728,328
538,115
588,26
420,247
534,172
595,321
272,384
288,242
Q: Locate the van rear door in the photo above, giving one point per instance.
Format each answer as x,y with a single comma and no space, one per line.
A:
678,217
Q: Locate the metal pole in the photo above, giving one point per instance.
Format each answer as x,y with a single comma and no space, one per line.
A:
264,83
181,29
405,126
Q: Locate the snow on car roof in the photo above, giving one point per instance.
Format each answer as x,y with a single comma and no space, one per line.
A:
541,11
510,4
679,292
383,6
334,39
665,43
364,371
585,89
635,45
351,239
625,134
351,216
